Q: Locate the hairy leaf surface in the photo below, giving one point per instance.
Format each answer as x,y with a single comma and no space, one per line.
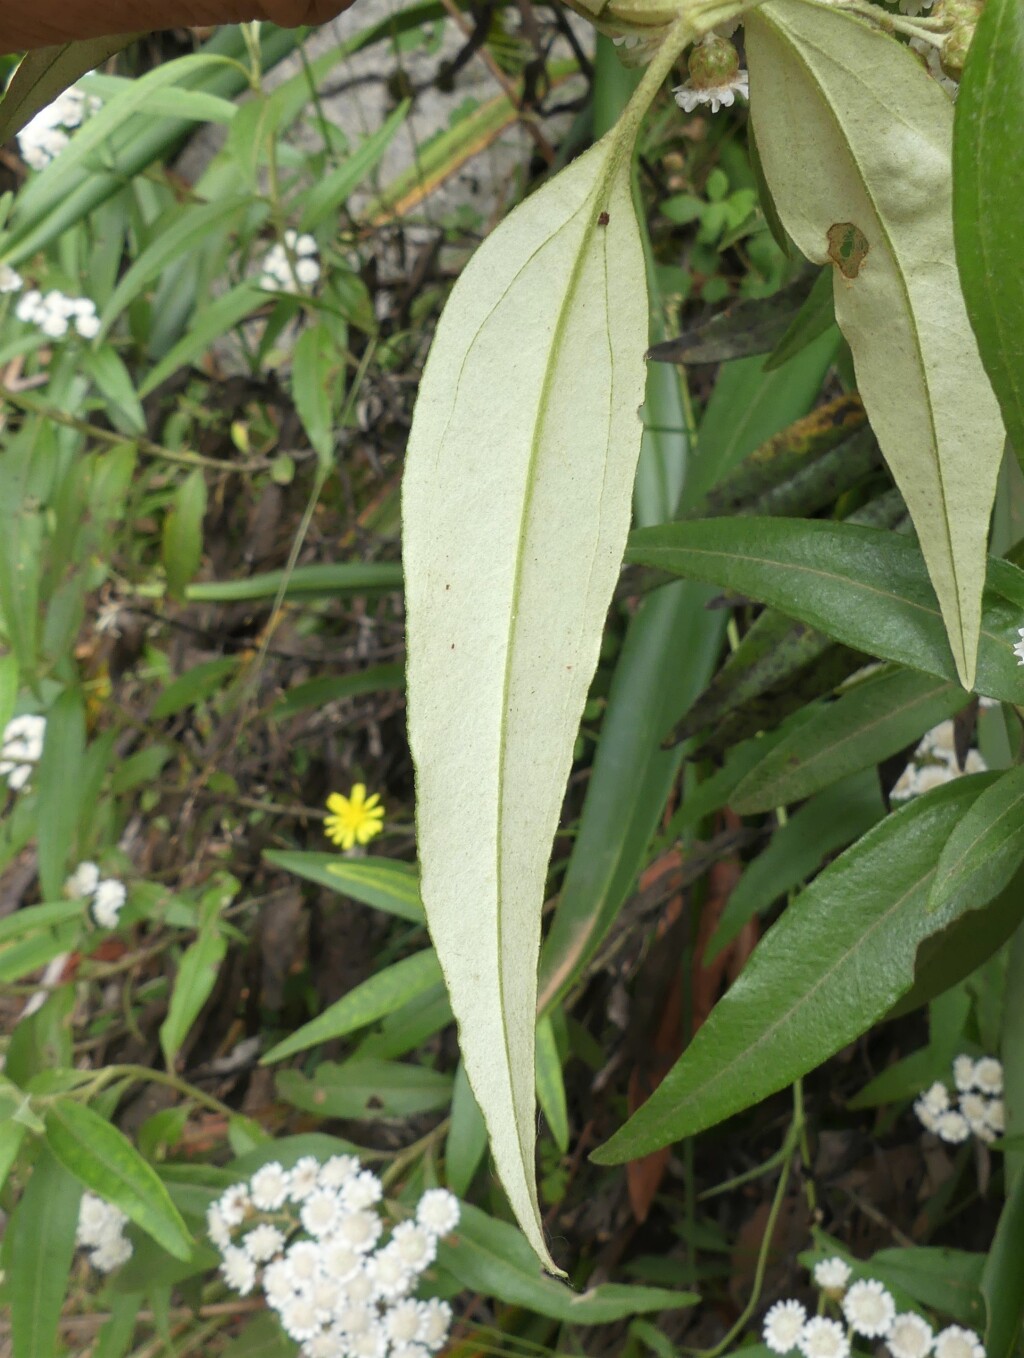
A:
856,144
516,506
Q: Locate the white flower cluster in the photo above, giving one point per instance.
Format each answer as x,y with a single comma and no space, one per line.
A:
293,266
689,96
10,279
869,1311
935,763
101,1232
310,1237
46,135
980,1105
20,748
56,314
106,896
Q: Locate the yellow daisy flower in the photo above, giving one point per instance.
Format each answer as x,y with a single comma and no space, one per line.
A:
354,819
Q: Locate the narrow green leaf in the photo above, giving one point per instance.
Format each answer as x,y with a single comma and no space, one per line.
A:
745,328
946,1280
467,1137
194,686
321,581
59,782
1000,1279
211,322
46,73
367,1088
261,1338
493,1258
196,976
39,1252
550,1085
870,720
985,850
325,198
866,588
331,688
314,367
8,687
814,318
383,883
380,995
182,545
108,1164
988,201
856,144
13,1131
516,501
833,964
106,368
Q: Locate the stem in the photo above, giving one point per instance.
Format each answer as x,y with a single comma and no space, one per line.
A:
143,1073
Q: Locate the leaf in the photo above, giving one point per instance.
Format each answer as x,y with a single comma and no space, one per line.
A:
326,197
207,325
988,201
182,545
550,1085
516,503
8,687
866,588
491,1257
314,366
856,142
834,963
467,1137
1000,1279
197,975
109,1165
325,581
747,327
383,883
194,686
870,720
815,317
12,1132
60,790
985,850
39,1250
330,688
261,1338
367,1088
46,73
371,1000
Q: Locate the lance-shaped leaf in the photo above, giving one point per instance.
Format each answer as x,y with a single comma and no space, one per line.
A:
515,512
47,73
856,144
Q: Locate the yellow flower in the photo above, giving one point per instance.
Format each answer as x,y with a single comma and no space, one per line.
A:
355,819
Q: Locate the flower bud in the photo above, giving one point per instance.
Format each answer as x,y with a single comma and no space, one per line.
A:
955,49
713,62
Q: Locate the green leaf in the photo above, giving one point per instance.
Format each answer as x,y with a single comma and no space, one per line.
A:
493,1258
815,317
330,688
326,197
40,1248
1000,1280
8,687
109,1165
550,1085
105,367
44,74
985,850
261,1338
988,201
12,1132
195,685
197,975
835,962
516,502
314,368
467,1137
208,325
371,1000
325,581
870,720
866,588
383,883
59,781
182,546
856,142
367,1088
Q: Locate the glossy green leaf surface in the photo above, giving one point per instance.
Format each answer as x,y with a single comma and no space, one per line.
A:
856,142
985,850
833,964
383,883
988,201
95,1152
516,503
866,588
40,1250
367,1088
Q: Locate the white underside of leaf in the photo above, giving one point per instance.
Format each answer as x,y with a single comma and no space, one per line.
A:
516,506
851,129
45,74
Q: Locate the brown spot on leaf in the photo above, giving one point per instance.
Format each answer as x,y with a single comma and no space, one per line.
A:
847,248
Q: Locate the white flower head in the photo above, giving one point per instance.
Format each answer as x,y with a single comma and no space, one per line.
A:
361,1191
21,748
416,1247
963,1073
715,76
368,1343
936,1096
821,1338
298,1318
974,1107
438,1211
388,1273
107,902
832,1275
263,1243
98,1220
216,1227
403,1322
321,1212
718,96
410,1351
303,1260
111,1253
10,279
326,1344
988,1075
239,1270
326,1295
952,1127
234,1204
360,1288
269,1186
869,1308
337,1171
361,1230
339,1260
356,1317
278,1286
995,1116
1018,649
435,1322
304,1178
956,1342
910,1336
82,882
783,1326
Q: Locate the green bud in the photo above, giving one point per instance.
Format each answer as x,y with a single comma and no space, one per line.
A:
713,62
955,49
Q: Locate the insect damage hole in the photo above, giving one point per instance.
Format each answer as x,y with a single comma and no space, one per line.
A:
847,248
